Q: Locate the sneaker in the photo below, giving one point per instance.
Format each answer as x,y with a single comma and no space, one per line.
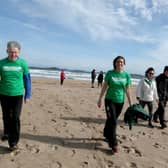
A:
150,125
4,137
163,126
115,149
13,147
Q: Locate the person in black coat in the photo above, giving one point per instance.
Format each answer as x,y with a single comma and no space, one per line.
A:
93,77
162,88
100,79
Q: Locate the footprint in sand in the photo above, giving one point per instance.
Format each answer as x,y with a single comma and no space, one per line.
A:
132,165
85,164
41,105
73,152
157,145
32,149
123,127
14,153
132,150
123,137
53,120
109,164
137,152
127,149
164,133
54,147
56,164
65,124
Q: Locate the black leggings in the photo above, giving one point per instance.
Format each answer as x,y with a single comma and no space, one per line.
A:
160,112
11,110
113,110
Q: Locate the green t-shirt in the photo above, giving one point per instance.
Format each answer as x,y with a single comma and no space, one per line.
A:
116,85
11,76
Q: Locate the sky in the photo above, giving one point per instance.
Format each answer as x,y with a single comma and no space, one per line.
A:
87,34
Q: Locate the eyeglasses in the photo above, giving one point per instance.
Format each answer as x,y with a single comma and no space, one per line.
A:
151,73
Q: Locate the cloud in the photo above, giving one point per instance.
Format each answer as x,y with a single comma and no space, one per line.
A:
21,23
99,19
161,51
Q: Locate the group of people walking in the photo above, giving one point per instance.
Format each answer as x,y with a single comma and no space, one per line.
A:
15,86
150,89
117,83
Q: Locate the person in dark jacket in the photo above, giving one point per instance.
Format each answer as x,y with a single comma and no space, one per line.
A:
93,77
100,79
162,88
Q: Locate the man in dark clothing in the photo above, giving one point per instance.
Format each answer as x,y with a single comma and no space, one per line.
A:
162,88
93,76
100,79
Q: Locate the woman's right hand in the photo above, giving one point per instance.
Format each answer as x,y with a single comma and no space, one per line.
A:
99,103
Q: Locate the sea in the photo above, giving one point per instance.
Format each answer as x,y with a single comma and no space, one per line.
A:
70,74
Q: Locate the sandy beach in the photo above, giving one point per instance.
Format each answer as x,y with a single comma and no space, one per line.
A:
62,127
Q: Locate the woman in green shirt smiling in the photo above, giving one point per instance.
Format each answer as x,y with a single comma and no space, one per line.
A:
116,85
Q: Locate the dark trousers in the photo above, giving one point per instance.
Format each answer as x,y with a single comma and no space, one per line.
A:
113,110
61,81
11,110
160,112
150,108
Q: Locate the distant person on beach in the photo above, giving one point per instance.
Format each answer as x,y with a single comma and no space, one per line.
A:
162,88
116,84
147,92
62,77
100,79
15,82
93,77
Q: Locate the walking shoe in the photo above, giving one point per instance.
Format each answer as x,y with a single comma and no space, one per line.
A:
4,137
13,147
163,126
114,149
150,125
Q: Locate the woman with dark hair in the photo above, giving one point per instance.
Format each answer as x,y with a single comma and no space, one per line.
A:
147,92
116,84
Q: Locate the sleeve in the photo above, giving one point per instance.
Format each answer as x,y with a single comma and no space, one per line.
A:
139,88
27,85
155,91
